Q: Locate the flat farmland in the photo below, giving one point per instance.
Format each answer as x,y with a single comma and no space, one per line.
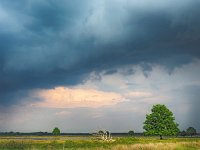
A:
93,142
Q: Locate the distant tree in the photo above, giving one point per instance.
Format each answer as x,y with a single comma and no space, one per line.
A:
191,131
56,131
183,133
131,133
160,122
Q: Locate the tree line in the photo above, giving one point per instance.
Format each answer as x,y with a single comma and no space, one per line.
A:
160,122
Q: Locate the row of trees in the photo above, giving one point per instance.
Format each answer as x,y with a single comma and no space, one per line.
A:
189,132
160,122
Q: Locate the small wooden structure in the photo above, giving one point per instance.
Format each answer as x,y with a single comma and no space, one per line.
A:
105,135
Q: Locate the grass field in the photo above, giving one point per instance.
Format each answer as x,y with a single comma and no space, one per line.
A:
81,142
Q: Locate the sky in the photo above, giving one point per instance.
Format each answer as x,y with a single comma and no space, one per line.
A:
92,65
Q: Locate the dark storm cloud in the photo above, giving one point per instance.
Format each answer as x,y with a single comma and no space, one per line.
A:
44,44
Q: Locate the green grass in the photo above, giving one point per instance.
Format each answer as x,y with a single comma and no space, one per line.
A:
121,143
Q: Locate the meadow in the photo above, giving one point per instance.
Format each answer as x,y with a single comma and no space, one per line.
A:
92,142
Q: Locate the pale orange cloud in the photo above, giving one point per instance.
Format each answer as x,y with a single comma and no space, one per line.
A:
62,97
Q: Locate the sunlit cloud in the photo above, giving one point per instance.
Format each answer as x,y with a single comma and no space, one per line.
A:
62,97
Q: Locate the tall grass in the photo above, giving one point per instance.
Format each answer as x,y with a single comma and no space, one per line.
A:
160,146
125,143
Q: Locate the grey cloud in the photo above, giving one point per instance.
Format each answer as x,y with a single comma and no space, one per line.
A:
58,43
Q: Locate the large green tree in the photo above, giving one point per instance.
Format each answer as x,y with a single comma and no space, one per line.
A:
56,131
160,122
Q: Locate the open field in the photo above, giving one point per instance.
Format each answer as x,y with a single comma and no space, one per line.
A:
91,142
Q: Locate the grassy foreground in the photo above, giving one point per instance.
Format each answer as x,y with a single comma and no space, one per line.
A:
123,143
